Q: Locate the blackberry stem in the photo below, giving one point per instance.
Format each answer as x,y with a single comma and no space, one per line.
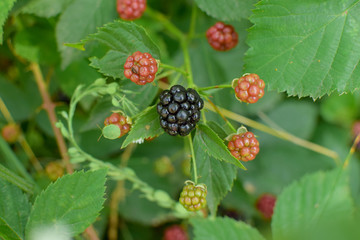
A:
351,152
173,68
222,115
185,47
193,158
214,87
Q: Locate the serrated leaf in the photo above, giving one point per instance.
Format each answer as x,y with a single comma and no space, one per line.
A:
226,9
212,145
73,201
122,39
223,229
14,211
217,175
45,8
146,125
80,19
316,201
306,48
111,131
5,7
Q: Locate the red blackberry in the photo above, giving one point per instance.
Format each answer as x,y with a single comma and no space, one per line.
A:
175,232
265,205
130,9
119,120
192,197
179,110
140,68
243,146
222,37
249,88
10,132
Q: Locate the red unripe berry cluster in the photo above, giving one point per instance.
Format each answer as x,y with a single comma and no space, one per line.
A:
175,232
265,205
222,37
130,9
11,132
140,68
120,121
244,147
249,88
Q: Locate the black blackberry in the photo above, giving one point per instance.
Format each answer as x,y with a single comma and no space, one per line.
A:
179,110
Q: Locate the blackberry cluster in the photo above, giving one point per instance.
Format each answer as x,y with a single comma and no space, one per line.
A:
265,205
222,37
179,110
249,88
130,9
192,197
244,147
119,120
140,68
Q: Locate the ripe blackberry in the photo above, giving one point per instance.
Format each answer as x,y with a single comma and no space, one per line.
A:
175,232
119,120
249,88
10,132
222,37
265,205
130,9
243,146
179,110
140,68
192,197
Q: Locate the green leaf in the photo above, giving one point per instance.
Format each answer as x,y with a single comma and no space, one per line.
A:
217,175
212,145
45,8
223,229
318,204
122,39
14,211
5,7
146,125
80,19
73,201
111,131
306,48
226,10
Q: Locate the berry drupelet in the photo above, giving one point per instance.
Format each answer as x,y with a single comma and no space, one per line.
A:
140,68
119,120
249,88
222,37
130,9
244,146
179,110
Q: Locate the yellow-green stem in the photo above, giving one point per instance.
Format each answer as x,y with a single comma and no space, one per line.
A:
193,160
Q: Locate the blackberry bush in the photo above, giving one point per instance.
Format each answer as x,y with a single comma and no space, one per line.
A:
249,88
130,9
222,37
140,68
179,110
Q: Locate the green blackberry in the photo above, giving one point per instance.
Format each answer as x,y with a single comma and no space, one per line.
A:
179,110
192,197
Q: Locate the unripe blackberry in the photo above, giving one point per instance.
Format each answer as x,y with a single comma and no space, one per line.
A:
10,132
130,9
119,120
265,205
222,37
243,146
175,232
140,68
192,197
249,88
54,170
179,110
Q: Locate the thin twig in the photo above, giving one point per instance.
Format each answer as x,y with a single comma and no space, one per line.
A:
49,107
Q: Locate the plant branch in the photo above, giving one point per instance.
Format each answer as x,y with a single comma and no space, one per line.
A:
277,133
352,150
214,87
193,158
49,107
173,68
193,22
185,48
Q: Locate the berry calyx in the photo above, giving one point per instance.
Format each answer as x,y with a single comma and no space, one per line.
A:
222,37
140,68
265,205
175,232
119,120
192,197
179,110
244,146
130,9
249,88
10,132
